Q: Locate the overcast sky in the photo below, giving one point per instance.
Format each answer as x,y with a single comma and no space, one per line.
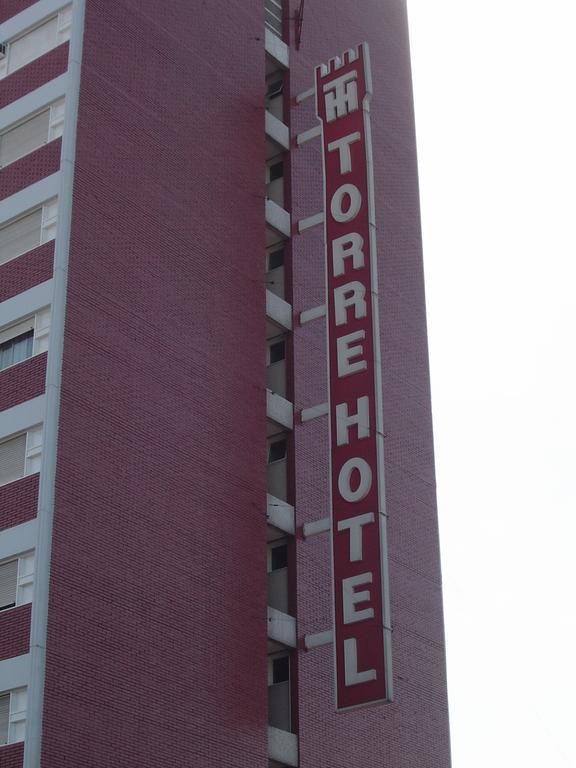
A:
495,95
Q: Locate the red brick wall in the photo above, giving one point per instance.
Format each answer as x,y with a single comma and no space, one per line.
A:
12,755
412,732
156,650
33,75
26,271
23,381
18,501
14,633
31,168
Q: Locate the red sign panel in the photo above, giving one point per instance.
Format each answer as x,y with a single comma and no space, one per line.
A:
361,612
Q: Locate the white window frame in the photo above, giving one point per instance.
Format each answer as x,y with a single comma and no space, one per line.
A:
63,31
24,578
16,714
55,126
49,222
40,322
32,451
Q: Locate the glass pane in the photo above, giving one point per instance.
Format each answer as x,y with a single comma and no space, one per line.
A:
25,138
4,715
20,236
33,44
12,459
8,577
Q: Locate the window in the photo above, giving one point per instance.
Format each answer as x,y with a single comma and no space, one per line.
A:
279,715
277,475
17,349
16,581
273,16
275,271
26,338
275,94
28,231
276,171
278,587
277,450
275,180
276,259
277,352
8,581
278,556
20,455
13,716
280,669
37,41
32,133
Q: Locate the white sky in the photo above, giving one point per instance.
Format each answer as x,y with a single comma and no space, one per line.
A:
495,99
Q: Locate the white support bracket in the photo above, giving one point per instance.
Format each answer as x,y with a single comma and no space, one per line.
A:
311,221
318,640
308,135
312,314
318,526
307,414
306,95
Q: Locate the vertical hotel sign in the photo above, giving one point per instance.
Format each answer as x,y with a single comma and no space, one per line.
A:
361,606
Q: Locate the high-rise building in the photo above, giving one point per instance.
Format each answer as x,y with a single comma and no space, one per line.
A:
166,587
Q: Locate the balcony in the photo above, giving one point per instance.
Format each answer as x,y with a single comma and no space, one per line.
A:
282,747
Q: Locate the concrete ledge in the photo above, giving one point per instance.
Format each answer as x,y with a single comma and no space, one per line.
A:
14,673
278,310
22,416
282,746
281,627
278,218
277,49
33,101
18,539
26,303
277,130
280,514
279,409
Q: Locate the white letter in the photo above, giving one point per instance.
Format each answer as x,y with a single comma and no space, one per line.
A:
349,295
344,98
355,525
350,598
351,674
342,247
345,477
344,420
338,198
345,353
343,147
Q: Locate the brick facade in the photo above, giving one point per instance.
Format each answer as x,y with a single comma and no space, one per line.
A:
26,271
23,381
160,490
10,8
12,755
33,75
31,168
14,633
18,501
156,646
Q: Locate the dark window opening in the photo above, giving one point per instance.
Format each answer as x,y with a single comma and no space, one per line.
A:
277,451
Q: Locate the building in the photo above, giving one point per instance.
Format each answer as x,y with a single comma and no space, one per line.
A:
163,459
